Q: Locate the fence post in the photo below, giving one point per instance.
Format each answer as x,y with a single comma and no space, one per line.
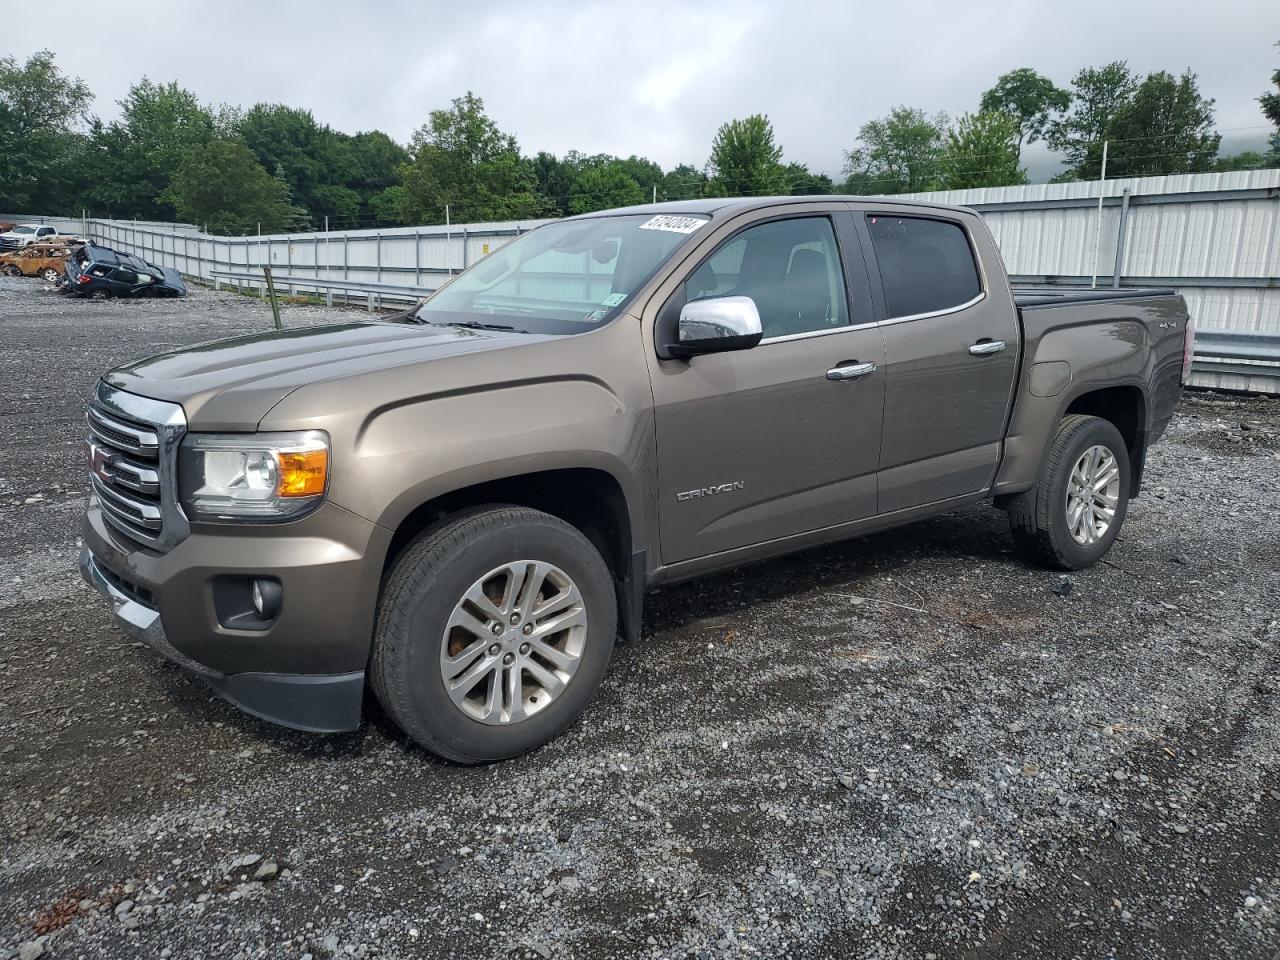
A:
417,258
1121,230
464,248
377,256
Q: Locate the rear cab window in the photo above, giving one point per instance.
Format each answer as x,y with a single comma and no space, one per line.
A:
926,265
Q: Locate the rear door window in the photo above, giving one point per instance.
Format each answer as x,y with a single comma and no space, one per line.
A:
926,265
125,276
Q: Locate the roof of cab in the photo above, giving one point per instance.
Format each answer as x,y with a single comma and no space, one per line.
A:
712,206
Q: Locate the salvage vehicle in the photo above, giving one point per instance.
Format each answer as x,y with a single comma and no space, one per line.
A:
95,271
25,234
45,260
464,510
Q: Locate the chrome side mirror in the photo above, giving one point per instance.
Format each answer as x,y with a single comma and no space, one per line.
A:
717,325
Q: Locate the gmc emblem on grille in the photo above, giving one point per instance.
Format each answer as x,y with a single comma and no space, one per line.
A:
99,463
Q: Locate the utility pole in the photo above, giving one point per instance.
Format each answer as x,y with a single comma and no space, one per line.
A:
655,193
1097,243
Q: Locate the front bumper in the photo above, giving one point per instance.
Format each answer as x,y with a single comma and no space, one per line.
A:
307,670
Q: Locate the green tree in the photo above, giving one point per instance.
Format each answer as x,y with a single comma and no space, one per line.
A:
136,157
554,180
900,153
1028,97
982,151
222,184
604,187
1097,95
684,181
41,113
745,160
1270,102
801,182
461,159
1245,160
1166,127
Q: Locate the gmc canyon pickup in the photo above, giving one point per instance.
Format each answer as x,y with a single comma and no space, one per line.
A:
463,507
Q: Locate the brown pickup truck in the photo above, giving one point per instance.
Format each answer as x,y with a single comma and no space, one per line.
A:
462,508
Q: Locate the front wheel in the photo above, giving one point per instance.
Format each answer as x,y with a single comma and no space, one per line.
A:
494,629
1074,513
51,276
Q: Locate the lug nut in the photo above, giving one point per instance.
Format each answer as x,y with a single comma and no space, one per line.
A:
515,618
528,628
493,650
509,659
496,629
525,648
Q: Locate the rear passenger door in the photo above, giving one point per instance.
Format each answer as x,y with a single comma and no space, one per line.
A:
951,356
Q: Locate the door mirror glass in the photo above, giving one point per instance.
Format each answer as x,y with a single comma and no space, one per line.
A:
717,325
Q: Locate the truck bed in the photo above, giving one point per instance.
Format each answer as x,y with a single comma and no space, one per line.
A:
1030,296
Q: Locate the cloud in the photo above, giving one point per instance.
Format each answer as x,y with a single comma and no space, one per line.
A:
654,78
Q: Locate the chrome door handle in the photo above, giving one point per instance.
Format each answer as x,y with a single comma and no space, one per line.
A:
851,371
984,348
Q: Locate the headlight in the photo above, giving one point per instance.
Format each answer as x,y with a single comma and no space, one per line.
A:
252,476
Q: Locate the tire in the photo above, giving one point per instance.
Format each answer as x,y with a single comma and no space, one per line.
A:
11,271
51,276
100,294
431,585
1042,518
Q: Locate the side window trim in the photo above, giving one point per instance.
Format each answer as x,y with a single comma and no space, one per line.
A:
861,214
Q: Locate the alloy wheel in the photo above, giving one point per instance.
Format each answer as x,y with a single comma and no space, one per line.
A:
513,642
1093,491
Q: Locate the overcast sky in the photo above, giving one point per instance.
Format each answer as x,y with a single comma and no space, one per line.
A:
651,78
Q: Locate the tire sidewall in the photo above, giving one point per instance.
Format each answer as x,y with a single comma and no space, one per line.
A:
431,602
1095,433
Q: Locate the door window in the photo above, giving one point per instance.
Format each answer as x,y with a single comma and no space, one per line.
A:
125,276
925,265
790,268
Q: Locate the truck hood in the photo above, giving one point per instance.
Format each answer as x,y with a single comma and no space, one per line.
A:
232,384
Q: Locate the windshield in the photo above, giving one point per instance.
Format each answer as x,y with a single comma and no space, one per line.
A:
567,277
24,229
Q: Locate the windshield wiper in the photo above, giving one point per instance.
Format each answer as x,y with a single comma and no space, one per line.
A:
477,325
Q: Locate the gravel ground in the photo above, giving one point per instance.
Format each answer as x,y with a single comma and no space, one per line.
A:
907,746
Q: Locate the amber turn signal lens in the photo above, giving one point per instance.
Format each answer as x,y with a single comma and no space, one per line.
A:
303,474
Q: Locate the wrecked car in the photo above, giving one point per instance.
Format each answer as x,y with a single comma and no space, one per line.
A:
94,271
45,260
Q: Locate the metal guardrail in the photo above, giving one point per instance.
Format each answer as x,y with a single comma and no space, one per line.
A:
375,293
1242,354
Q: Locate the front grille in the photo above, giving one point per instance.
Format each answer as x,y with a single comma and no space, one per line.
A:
132,459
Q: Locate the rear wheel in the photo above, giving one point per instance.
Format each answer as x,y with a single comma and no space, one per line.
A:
11,270
1074,513
494,629
101,293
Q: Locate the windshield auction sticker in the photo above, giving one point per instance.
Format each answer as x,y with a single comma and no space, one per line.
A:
673,224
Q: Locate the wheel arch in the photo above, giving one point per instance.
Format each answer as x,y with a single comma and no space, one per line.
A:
1125,406
589,498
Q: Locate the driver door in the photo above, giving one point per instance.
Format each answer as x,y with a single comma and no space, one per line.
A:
770,442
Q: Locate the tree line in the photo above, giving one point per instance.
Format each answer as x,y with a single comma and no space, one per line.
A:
274,167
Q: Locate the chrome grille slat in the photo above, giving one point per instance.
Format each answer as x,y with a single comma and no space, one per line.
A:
140,479
139,511
117,434
133,446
